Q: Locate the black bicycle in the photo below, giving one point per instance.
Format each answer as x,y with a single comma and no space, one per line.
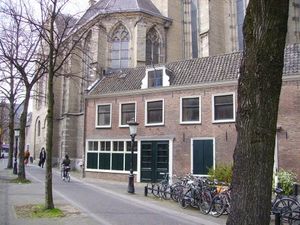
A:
288,207
65,173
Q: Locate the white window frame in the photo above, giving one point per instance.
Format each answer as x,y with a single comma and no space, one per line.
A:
99,151
200,104
110,116
146,112
233,108
165,78
120,112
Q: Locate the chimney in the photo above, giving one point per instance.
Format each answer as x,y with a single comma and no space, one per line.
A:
92,2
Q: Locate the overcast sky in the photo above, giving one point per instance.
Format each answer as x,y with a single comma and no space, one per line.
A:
77,6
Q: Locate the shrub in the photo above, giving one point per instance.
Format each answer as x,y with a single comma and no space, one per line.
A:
286,180
222,172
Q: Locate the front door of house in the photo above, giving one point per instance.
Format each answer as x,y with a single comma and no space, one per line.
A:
154,160
203,156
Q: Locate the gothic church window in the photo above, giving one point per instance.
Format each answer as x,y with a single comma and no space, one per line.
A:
88,76
39,128
194,25
241,6
152,47
87,60
120,48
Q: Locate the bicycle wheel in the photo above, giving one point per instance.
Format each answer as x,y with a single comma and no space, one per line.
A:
62,174
155,190
68,178
218,205
165,192
185,199
288,207
176,192
205,202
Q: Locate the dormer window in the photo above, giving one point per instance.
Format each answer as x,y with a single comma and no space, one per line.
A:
155,77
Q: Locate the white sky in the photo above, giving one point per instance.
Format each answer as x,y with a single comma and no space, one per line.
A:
77,6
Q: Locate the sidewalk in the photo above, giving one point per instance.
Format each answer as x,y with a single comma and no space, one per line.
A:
12,195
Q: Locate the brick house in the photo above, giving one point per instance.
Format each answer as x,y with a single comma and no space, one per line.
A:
131,34
186,114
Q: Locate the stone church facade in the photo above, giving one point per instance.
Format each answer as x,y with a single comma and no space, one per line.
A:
130,34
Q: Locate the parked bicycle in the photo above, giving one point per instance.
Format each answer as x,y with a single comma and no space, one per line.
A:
161,189
287,207
221,202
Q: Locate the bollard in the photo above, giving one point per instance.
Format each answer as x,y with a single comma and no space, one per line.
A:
277,218
146,191
295,189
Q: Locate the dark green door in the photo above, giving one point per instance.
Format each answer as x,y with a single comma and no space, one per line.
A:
154,160
203,156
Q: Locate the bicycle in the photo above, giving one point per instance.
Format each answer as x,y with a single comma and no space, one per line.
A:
65,173
221,202
161,189
287,207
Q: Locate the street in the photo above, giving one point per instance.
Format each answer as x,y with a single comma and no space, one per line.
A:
98,201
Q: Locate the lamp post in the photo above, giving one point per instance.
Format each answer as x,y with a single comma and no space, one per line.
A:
17,132
132,130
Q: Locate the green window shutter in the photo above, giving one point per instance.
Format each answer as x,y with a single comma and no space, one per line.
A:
202,156
128,160
117,161
104,161
92,159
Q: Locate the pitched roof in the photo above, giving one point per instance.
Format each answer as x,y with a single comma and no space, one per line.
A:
189,72
118,6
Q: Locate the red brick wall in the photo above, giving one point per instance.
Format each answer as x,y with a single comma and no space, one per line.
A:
289,120
224,133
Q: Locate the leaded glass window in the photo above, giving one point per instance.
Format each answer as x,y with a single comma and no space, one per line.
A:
152,47
120,48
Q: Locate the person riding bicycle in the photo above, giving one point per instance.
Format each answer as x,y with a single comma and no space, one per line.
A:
66,165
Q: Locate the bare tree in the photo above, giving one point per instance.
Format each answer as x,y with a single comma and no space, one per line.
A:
60,39
259,87
56,39
18,46
10,89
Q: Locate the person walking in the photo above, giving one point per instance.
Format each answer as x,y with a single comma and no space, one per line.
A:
42,158
26,156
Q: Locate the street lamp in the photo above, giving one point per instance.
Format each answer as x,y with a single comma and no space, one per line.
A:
17,132
132,130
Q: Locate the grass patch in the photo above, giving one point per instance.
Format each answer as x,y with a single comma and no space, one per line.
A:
20,181
37,211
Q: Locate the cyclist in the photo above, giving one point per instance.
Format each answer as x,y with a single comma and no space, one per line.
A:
66,165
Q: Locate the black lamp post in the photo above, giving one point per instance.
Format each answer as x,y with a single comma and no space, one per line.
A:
17,132
132,129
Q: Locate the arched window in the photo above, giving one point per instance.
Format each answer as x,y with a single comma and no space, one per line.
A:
88,76
87,60
152,47
120,48
39,128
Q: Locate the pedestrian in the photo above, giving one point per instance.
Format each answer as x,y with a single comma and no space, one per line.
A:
42,158
26,156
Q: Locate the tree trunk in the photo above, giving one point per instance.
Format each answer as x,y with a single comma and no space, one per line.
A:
11,120
21,148
11,132
50,114
259,87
